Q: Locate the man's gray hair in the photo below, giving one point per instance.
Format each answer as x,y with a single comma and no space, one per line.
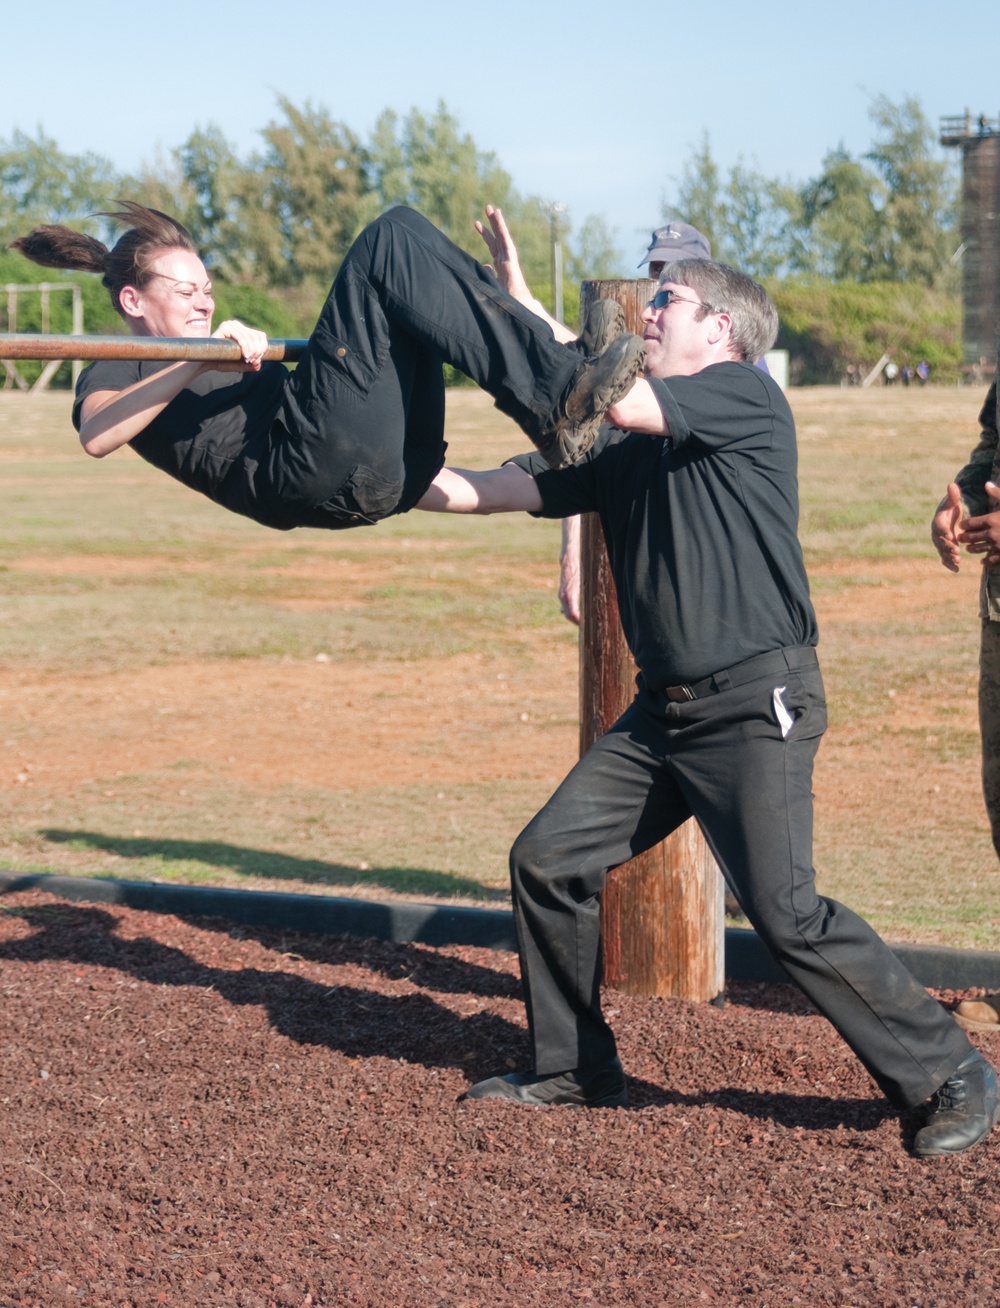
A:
724,289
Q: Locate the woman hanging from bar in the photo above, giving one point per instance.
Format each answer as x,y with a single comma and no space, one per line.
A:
355,433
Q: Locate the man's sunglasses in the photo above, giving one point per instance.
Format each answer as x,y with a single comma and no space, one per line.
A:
664,298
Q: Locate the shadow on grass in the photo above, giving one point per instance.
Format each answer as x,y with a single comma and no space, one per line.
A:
267,864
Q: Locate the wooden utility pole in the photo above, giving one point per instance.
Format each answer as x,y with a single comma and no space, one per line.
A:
662,913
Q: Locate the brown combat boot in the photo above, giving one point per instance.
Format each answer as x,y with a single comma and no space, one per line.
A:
599,383
605,323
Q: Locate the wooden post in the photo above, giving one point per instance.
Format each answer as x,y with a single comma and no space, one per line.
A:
662,913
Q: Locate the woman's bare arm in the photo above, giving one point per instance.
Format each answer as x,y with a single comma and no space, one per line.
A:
501,490
110,419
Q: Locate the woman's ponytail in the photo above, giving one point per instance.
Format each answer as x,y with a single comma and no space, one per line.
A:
150,234
60,247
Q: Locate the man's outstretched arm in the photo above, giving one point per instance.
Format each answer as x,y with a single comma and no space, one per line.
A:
500,490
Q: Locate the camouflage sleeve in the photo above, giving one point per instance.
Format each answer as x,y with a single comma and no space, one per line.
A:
979,469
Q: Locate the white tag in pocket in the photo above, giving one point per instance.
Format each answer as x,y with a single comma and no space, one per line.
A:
785,719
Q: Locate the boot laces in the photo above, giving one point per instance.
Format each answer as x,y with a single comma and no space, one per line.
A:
951,1095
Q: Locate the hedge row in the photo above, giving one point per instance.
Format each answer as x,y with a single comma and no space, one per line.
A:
828,326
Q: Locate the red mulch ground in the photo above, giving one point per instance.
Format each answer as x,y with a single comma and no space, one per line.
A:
198,1115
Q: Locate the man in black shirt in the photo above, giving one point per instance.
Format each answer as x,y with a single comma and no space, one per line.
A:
696,490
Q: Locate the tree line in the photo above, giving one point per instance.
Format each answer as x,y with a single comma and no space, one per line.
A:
282,219
276,223
887,215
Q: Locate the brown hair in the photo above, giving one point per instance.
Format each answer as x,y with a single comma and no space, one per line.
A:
126,264
725,290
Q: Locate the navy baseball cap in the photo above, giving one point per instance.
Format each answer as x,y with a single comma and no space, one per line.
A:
676,241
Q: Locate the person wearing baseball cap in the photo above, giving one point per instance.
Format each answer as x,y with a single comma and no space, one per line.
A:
675,241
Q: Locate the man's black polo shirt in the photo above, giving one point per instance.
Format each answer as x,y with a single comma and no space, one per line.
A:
701,526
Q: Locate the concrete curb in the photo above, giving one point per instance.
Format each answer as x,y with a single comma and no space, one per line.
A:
443,924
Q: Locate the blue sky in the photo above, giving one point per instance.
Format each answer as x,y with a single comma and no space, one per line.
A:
595,106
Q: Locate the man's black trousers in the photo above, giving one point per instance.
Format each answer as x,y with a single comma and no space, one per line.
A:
359,434
741,762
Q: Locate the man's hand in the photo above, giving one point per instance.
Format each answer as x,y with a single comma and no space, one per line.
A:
507,267
951,513
503,253
981,535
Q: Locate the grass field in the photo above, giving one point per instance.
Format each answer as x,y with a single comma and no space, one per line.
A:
186,696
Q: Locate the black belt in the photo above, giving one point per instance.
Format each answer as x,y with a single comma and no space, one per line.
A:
761,665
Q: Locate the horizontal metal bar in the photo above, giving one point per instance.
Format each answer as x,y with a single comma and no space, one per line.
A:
42,345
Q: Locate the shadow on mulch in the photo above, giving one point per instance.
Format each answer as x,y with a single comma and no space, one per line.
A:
359,1023
363,1023
202,1113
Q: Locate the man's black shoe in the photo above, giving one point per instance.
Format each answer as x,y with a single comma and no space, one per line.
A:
605,323
601,1087
965,1110
599,383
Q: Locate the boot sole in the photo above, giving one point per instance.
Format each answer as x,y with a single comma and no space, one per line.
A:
572,441
608,318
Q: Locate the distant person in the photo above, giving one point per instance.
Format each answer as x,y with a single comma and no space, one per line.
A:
969,516
891,373
923,372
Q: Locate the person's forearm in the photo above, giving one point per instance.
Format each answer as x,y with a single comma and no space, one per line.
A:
560,331
112,422
973,477
639,411
979,470
569,569
500,490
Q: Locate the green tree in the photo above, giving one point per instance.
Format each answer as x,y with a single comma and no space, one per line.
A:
842,220
698,196
888,216
429,163
919,214
225,213
161,184
759,231
40,184
309,198
595,251
751,221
